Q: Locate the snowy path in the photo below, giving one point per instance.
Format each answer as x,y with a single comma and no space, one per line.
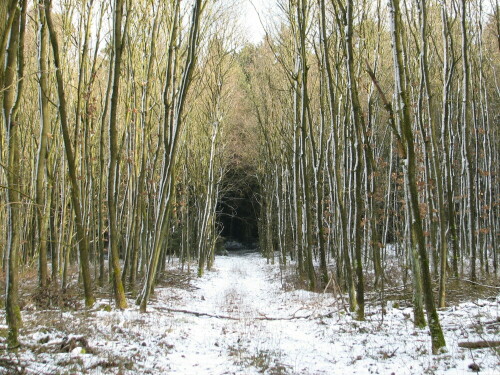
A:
263,337
250,332
245,287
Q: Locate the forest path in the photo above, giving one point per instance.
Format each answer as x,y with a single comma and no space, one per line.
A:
255,326
259,328
237,319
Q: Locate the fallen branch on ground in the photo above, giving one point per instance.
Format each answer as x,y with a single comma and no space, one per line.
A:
479,284
261,317
294,317
478,344
196,313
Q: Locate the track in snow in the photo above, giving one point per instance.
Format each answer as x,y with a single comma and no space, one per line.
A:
237,319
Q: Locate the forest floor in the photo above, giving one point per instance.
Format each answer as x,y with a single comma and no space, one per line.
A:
242,318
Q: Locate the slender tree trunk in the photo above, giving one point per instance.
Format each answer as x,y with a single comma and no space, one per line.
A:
437,337
13,313
113,168
335,167
172,146
7,16
81,236
424,71
303,9
358,141
42,207
297,192
448,69
207,211
466,151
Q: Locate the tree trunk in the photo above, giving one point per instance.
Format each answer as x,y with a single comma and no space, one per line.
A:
466,149
358,141
13,313
437,337
113,167
172,144
42,207
334,170
81,236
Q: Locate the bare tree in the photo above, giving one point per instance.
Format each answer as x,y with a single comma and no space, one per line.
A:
409,166
113,167
14,70
82,238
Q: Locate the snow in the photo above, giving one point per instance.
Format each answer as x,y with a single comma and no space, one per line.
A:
252,326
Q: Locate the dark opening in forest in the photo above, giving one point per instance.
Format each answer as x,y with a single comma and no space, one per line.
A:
238,207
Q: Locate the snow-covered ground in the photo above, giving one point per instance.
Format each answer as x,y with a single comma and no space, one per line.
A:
237,319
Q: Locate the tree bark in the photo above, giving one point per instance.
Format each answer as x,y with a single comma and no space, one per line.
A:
81,235
42,209
466,149
334,170
437,336
113,167
172,144
12,309
358,141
